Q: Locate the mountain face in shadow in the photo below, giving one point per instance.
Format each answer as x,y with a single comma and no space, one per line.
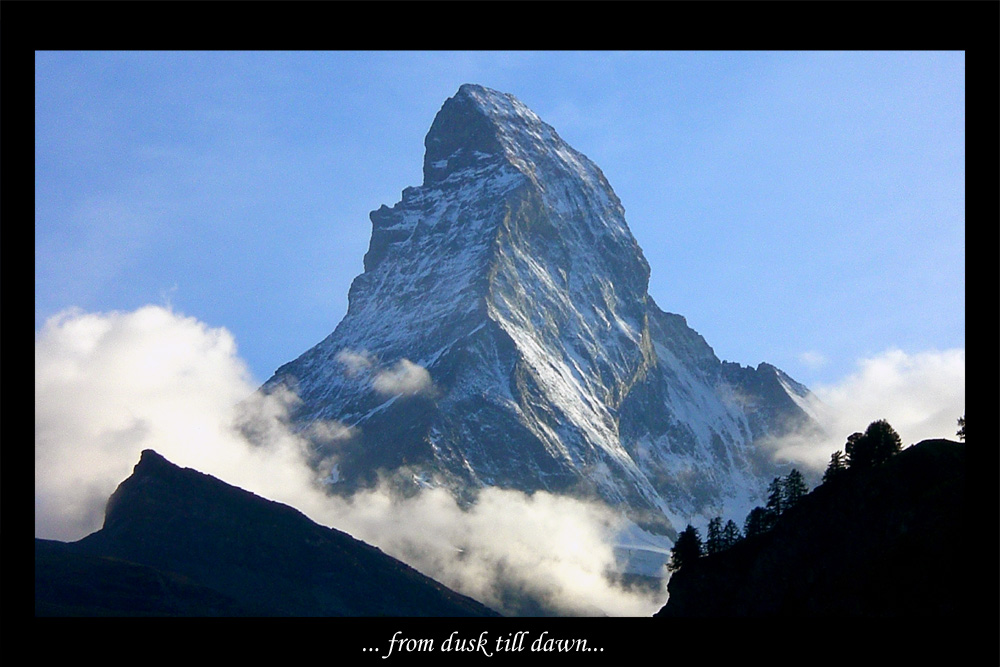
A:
178,542
884,542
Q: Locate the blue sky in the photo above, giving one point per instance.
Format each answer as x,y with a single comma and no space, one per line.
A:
801,208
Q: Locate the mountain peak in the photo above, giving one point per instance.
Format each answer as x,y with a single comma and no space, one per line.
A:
480,123
475,89
503,109
149,458
510,284
476,124
459,134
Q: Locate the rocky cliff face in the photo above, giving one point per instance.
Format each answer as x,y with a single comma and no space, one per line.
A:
502,334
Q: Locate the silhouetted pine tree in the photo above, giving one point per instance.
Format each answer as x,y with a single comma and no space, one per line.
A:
836,467
757,522
782,494
731,534
686,549
858,451
775,502
713,541
885,442
794,488
874,447
961,428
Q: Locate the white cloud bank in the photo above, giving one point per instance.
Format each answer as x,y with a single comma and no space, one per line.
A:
921,395
554,549
109,385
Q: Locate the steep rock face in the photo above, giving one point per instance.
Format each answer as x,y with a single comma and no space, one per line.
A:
502,334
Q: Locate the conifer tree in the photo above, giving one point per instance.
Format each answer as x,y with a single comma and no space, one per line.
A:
686,549
757,522
836,467
874,447
731,534
884,441
775,501
713,541
961,428
858,452
795,488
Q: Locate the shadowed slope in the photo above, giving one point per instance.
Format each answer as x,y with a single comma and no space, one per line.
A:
883,542
230,552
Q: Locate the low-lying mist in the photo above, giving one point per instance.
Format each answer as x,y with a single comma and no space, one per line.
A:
108,385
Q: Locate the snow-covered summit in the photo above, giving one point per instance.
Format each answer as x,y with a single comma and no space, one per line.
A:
509,128
502,334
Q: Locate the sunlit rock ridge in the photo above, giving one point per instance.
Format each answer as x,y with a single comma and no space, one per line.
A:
502,335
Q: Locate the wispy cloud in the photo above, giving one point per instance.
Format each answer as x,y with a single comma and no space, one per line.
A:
354,362
813,359
920,394
111,384
401,378
404,377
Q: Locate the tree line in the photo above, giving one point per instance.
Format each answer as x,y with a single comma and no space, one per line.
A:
782,494
865,450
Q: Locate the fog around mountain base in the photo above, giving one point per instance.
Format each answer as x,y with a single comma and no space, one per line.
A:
108,385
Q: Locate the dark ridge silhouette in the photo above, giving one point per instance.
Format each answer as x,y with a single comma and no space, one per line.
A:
68,583
886,541
178,542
